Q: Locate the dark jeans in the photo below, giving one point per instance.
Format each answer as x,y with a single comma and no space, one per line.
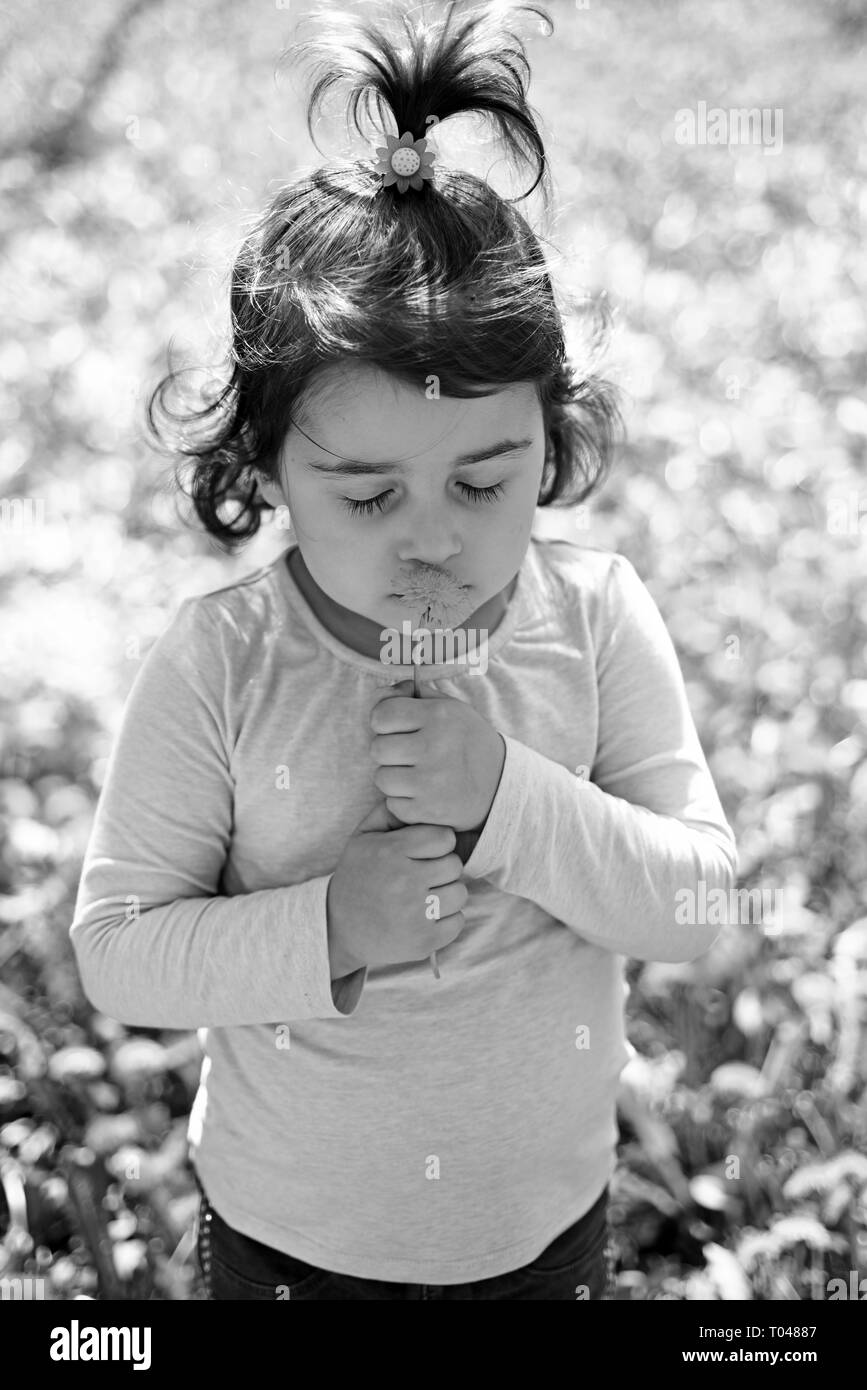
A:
577,1265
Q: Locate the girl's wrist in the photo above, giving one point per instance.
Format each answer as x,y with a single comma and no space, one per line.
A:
341,961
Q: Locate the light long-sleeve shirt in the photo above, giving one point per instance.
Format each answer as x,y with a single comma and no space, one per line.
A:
390,1125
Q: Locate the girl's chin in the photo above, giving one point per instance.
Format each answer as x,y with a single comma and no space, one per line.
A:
404,612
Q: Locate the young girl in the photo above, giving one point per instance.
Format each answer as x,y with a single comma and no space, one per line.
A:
286,834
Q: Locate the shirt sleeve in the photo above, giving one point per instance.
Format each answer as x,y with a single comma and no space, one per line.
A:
610,857
156,943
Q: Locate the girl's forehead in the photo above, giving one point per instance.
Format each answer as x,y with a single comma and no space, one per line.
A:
360,413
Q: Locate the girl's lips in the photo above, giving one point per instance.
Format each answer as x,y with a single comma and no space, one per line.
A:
437,597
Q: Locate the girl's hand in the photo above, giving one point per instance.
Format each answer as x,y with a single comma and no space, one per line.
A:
439,762
394,896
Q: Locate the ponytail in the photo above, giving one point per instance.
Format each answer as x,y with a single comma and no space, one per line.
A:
457,65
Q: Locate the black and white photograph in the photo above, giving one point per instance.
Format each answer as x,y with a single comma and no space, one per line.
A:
433,592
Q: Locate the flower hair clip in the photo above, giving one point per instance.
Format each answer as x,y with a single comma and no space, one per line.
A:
404,161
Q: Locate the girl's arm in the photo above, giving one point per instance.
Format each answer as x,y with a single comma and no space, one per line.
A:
156,945
616,859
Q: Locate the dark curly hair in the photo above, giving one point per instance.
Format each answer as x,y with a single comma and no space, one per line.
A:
449,281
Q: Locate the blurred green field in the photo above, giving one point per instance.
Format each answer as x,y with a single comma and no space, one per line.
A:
136,142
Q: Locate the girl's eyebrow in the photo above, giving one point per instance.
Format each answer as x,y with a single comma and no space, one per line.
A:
349,466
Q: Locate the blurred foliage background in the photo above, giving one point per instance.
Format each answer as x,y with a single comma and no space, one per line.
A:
136,140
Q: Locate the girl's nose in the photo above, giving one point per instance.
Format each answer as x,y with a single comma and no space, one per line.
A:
429,555
431,541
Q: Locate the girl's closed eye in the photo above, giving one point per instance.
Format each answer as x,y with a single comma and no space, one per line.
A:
473,494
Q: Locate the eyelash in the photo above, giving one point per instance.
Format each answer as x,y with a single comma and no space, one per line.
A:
367,505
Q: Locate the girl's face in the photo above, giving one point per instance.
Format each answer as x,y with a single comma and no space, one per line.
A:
389,487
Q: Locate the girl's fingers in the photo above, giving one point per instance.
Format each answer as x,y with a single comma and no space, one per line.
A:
395,750
388,692
425,841
397,716
395,782
446,870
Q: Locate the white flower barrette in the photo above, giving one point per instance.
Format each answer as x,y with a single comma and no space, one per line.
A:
404,161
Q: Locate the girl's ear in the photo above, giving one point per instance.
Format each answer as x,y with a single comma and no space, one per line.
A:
269,490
